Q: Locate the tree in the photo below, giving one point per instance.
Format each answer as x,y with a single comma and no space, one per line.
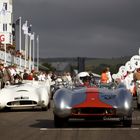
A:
49,66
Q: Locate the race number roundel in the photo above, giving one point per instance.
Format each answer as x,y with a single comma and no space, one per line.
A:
2,38
129,67
135,61
114,76
122,70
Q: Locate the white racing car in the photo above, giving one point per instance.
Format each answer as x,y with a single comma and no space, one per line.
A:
29,94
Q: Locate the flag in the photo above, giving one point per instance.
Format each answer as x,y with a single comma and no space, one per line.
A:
3,10
25,28
13,31
32,36
29,30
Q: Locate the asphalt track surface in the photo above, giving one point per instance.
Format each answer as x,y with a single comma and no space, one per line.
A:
38,125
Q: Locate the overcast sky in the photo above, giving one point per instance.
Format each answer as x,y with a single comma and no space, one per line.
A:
83,28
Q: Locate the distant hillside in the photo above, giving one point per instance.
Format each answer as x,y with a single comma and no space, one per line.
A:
111,61
108,61
62,59
91,64
98,64
96,61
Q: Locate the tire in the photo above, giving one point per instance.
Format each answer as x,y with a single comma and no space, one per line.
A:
60,122
138,105
49,105
7,109
44,108
127,121
52,93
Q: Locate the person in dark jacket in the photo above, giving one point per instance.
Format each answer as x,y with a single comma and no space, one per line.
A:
1,76
25,75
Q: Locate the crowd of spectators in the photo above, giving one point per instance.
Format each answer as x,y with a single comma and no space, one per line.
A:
12,74
11,49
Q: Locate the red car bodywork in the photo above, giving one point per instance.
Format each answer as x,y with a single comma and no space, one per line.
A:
92,106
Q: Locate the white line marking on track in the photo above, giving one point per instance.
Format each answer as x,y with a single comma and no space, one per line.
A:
88,129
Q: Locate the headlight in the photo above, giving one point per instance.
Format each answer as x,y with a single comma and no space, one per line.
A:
126,105
64,106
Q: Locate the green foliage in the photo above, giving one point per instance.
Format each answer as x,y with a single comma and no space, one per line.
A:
95,65
98,69
49,66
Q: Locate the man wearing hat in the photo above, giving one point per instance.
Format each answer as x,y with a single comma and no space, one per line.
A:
1,76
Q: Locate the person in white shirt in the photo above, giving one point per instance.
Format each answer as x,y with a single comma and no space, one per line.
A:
129,82
69,79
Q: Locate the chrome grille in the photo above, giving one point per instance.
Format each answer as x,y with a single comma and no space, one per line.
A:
25,102
94,111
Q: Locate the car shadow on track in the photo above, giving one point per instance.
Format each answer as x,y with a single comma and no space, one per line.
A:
49,124
22,110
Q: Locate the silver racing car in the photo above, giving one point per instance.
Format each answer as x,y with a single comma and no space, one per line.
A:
105,102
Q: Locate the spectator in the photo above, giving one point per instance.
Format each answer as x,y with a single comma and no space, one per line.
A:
25,75
104,77
8,78
129,82
137,75
108,75
64,77
30,76
1,76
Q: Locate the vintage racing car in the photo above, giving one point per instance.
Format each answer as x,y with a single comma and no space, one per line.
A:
105,102
29,94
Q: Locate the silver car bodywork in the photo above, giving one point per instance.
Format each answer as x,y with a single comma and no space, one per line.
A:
120,99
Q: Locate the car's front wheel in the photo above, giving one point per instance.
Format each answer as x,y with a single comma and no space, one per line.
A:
45,108
127,121
60,122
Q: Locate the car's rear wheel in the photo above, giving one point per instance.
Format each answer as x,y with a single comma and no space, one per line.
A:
44,108
138,105
127,121
60,122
